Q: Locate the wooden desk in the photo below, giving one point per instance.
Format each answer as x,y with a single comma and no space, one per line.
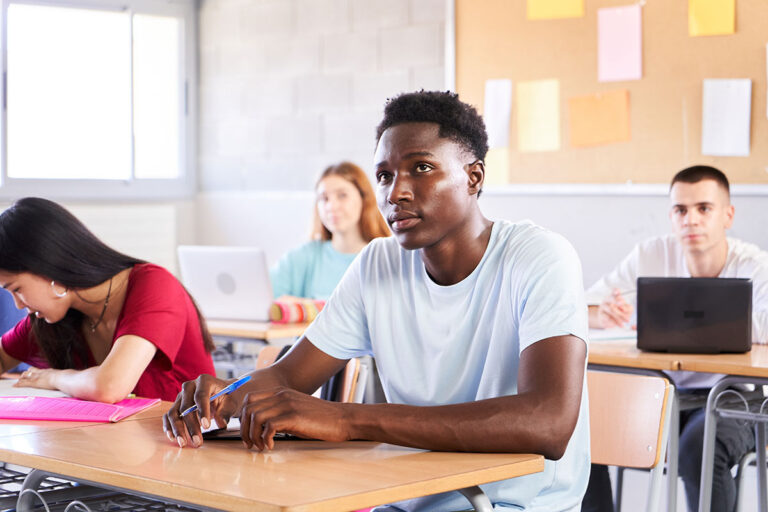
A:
625,353
750,364
266,331
297,476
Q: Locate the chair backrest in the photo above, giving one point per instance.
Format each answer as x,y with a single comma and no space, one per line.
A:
349,381
346,389
627,415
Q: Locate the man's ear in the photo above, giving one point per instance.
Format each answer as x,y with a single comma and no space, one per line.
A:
729,212
476,175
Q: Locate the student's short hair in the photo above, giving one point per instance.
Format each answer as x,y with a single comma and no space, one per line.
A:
696,173
457,120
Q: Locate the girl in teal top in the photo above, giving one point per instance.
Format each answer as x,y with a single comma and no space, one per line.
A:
346,219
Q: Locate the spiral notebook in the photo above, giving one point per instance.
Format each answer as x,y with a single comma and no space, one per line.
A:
70,409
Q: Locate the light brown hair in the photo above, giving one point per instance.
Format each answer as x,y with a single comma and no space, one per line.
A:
372,224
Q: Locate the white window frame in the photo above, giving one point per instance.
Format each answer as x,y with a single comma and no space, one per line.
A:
132,188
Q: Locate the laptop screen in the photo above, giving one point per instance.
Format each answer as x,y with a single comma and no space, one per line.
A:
229,283
695,315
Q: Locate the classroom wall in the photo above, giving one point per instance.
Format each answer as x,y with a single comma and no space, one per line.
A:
289,86
603,229
148,231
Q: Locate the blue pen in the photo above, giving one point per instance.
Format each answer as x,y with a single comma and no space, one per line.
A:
227,390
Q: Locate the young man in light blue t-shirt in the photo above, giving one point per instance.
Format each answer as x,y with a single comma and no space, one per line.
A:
477,327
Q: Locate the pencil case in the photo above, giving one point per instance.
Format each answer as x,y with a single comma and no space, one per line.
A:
295,311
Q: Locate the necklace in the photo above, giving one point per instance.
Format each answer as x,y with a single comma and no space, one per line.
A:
95,324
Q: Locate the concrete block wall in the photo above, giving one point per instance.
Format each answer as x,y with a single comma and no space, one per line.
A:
288,87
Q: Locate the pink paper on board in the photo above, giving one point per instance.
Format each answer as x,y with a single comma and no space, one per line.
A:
620,43
70,409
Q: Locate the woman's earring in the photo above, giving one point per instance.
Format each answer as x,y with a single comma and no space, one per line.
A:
59,295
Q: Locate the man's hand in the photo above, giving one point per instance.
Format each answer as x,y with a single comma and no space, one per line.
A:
286,410
186,431
304,369
612,312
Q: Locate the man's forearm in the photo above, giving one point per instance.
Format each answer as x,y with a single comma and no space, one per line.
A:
512,424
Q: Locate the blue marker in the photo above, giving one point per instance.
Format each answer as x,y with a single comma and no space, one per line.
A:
227,390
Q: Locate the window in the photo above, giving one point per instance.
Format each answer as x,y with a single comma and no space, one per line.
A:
97,98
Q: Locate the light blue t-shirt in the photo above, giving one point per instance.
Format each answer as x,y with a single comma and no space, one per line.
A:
312,270
437,345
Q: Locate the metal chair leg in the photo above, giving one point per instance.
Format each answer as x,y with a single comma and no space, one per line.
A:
762,487
26,501
619,487
477,498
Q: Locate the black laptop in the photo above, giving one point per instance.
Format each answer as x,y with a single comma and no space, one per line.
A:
694,314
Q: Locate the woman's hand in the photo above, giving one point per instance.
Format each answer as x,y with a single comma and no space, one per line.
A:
186,431
41,378
286,410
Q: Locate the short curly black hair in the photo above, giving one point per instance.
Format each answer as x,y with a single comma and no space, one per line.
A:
458,121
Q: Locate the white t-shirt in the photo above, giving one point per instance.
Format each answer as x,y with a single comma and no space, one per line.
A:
438,345
664,257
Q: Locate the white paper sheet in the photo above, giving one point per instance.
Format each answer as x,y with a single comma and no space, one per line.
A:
726,106
612,334
7,389
496,111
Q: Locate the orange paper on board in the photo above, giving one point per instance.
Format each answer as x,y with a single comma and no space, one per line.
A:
599,118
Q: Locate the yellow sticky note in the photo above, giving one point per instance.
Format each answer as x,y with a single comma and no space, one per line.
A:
711,17
496,167
538,115
599,118
554,9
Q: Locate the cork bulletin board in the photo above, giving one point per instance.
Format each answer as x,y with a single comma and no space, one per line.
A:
495,40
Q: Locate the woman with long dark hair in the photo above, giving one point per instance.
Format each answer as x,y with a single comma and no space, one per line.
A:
101,324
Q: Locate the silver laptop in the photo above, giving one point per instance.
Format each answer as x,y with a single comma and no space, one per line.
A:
228,283
695,315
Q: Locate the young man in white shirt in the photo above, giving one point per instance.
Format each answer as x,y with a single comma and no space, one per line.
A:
477,327
701,212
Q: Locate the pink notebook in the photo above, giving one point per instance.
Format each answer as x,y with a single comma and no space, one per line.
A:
70,409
